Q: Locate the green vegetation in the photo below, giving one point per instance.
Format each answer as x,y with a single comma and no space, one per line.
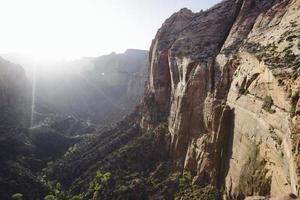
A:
71,150
57,192
50,197
185,179
268,103
17,196
134,166
273,58
77,197
99,183
196,192
192,192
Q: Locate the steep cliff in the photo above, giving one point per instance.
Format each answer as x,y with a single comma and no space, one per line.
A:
226,82
14,95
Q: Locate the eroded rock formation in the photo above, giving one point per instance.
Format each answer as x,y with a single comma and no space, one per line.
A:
226,81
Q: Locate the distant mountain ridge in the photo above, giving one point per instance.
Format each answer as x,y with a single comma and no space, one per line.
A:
102,89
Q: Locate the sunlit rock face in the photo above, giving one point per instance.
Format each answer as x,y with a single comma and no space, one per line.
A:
226,81
285,197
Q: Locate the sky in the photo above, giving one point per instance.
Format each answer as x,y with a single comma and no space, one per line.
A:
70,29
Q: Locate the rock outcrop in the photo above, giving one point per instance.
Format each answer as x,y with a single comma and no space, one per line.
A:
226,81
285,197
14,95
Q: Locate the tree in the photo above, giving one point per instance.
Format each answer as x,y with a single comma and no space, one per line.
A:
17,196
77,197
50,197
99,183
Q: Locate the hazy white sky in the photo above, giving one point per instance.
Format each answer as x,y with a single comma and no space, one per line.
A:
74,28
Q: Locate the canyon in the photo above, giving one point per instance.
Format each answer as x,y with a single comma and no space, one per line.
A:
219,117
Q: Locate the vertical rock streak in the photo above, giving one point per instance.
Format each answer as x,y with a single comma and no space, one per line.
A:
209,76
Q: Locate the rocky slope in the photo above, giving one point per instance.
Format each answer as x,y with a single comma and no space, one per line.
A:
226,82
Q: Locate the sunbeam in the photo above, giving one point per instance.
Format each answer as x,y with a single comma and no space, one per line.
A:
33,96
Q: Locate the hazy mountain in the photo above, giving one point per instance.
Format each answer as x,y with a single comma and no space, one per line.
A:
102,90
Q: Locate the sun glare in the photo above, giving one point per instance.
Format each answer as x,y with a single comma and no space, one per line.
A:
67,29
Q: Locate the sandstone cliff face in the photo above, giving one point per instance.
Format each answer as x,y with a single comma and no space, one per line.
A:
268,65
226,81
